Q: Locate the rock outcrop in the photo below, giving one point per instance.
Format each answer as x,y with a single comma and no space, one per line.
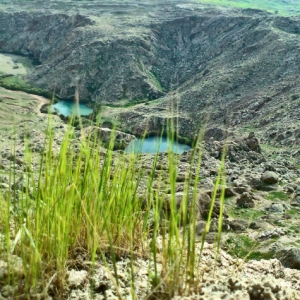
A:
237,68
117,139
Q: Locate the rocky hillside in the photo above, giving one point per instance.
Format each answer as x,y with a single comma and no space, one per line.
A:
149,64
239,67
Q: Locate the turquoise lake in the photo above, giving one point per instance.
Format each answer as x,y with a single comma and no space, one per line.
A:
154,145
68,108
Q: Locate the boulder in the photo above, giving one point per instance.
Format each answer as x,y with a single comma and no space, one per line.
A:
276,208
245,200
77,278
204,203
230,192
179,197
200,226
241,189
259,224
295,201
291,259
206,183
289,189
270,177
238,225
256,182
269,167
252,143
274,233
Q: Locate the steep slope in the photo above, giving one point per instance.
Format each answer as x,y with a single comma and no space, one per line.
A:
239,67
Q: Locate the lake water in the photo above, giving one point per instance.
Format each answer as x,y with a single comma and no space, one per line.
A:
68,108
154,145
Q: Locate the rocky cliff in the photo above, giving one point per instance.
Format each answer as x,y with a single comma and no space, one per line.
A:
239,67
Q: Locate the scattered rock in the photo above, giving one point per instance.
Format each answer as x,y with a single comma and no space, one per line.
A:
271,234
295,201
241,189
245,200
261,225
276,208
12,265
4,185
238,225
270,177
252,142
77,278
230,192
204,202
291,259
7,291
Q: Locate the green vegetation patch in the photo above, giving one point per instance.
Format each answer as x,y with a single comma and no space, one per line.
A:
295,97
293,212
244,247
3,211
18,83
13,69
154,81
283,7
248,128
277,195
124,103
246,213
14,65
293,229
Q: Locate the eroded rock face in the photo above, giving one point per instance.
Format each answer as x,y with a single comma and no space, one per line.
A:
106,135
195,59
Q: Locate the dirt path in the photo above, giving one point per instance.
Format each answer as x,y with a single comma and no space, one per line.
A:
42,101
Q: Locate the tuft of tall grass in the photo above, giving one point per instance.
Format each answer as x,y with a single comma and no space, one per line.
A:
102,203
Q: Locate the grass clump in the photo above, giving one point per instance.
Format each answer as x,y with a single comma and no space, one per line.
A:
277,195
293,212
244,247
3,212
246,213
241,245
101,203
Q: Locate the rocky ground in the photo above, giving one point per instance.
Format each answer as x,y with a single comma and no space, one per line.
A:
261,195
234,279
261,217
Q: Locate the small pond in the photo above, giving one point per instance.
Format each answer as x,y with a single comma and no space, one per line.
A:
68,108
155,144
